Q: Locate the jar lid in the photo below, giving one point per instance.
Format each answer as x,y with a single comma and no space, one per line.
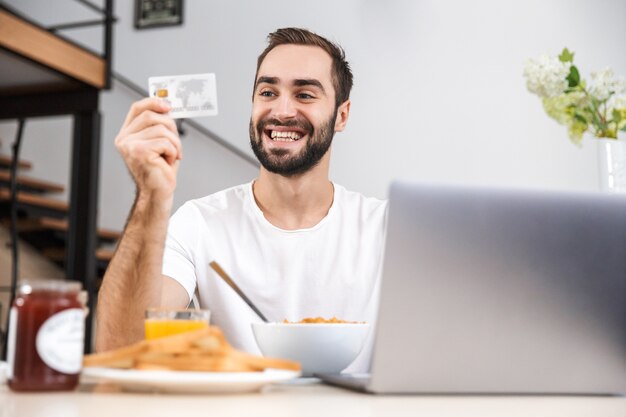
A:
28,286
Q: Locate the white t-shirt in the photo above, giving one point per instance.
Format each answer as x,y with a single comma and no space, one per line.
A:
330,269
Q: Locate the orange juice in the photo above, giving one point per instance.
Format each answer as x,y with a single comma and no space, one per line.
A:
156,328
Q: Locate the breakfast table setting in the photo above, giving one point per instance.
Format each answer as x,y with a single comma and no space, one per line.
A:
186,365
247,385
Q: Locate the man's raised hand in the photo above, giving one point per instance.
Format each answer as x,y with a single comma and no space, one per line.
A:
149,143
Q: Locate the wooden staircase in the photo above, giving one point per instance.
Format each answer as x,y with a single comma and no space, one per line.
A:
42,219
44,73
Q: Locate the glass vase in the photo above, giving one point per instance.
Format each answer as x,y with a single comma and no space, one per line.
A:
612,165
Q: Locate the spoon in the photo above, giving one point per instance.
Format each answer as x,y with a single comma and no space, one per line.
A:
217,268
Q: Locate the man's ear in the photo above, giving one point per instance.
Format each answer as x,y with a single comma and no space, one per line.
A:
342,116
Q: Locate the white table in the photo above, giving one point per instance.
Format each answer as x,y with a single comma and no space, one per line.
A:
312,399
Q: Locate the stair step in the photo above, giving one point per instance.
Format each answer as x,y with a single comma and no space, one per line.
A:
62,225
31,184
105,254
35,200
57,254
5,162
27,225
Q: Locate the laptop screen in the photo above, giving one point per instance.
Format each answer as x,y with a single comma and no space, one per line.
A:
502,291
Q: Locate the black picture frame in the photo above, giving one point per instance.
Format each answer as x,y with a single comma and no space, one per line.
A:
158,13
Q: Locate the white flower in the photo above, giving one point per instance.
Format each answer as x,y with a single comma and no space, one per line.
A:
599,109
616,102
546,76
603,84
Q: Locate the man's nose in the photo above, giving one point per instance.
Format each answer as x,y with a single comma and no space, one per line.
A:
285,108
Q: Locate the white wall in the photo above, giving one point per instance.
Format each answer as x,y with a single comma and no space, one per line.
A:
438,96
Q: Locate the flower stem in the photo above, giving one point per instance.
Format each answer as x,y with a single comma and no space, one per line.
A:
600,123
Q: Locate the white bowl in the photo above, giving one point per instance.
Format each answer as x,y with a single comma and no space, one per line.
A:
319,347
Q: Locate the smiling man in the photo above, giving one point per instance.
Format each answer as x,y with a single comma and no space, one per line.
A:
296,243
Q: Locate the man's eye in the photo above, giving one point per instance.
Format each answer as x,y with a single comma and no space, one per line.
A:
304,96
266,94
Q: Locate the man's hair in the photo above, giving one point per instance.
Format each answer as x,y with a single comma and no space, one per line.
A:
340,71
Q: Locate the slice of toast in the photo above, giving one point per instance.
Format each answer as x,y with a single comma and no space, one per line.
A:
123,358
199,350
221,363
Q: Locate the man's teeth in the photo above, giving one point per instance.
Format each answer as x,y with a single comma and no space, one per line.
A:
285,136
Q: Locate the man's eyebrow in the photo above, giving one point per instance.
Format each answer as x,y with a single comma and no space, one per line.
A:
309,82
300,82
268,80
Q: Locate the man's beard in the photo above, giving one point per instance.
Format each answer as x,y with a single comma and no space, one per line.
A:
278,161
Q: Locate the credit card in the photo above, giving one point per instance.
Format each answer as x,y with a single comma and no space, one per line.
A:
192,95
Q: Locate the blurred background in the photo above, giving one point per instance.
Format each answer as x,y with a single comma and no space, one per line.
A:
438,95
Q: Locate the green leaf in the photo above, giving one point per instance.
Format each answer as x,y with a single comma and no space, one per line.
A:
580,118
573,78
566,56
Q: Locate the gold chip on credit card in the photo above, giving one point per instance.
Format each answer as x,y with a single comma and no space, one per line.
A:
162,93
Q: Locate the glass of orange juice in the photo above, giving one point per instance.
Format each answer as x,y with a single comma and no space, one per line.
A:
161,322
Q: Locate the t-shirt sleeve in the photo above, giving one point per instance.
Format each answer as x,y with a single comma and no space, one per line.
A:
178,256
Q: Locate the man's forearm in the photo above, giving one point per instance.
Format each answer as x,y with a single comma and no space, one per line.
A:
133,280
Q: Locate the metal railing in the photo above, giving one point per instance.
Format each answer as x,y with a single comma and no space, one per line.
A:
107,23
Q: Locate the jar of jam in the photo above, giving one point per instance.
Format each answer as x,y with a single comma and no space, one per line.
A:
46,333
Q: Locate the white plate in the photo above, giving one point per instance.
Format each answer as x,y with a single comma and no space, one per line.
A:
187,382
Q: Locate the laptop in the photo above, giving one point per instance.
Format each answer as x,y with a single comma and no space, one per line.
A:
500,291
